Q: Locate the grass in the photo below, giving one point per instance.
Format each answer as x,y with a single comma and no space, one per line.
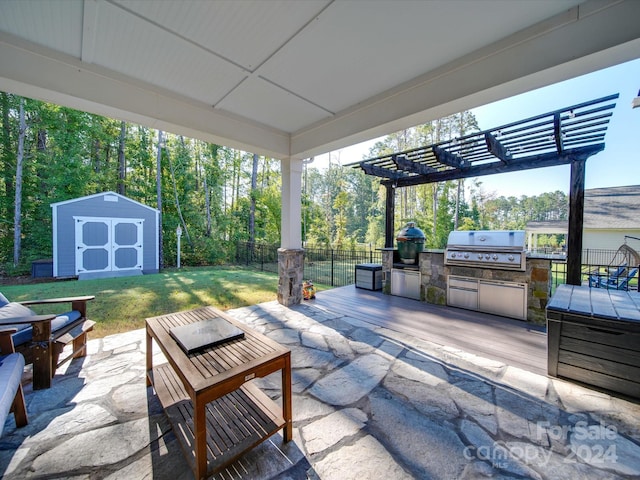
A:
122,304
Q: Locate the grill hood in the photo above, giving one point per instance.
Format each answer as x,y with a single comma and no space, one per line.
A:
500,240
501,249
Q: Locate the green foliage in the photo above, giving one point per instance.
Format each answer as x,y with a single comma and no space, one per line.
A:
208,189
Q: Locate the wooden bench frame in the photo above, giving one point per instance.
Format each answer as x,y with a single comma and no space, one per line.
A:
45,347
18,407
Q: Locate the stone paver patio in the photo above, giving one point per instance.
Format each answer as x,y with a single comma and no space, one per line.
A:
369,403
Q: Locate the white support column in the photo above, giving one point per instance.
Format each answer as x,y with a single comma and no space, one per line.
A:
291,203
290,254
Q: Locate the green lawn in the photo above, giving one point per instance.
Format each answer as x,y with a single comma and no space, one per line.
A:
122,304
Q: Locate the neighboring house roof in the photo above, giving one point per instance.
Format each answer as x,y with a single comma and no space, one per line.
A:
549,227
604,208
612,208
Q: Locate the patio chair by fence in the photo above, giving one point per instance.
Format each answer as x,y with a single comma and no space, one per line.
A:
598,280
623,283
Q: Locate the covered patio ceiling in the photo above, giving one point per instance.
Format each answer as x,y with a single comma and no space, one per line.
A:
293,79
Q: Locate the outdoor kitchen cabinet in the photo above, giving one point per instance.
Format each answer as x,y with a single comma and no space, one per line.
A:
369,276
508,299
593,337
405,283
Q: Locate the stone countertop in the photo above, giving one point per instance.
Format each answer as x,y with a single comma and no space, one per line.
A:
547,256
426,250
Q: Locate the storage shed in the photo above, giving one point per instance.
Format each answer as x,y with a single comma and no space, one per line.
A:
104,235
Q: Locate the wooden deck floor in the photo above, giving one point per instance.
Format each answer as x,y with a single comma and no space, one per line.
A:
513,342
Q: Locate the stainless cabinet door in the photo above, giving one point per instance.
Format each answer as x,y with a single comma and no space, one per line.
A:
462,292
506,299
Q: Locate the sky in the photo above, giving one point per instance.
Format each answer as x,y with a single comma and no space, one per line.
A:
617,165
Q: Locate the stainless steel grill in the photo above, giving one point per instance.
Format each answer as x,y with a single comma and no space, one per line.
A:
502,249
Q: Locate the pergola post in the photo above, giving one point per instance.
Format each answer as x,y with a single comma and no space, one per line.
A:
290,253
389,216
576,221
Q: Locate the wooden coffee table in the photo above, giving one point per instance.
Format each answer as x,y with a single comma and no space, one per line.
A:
214,409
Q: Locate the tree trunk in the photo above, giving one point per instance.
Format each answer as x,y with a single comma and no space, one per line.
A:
122,165
177,199
159,197
207,203
457,212
7,164
252,206
17,233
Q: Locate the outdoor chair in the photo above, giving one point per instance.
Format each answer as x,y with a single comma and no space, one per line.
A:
11,393
598,280
623,283
42,338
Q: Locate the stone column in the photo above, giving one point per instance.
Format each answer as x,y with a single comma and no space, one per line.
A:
290,272
387,265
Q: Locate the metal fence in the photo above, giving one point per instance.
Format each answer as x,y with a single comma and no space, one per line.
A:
261,256
328,266
336,267
598,276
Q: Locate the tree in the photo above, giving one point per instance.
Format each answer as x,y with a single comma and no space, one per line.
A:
122,165
252,210
17,219
159,197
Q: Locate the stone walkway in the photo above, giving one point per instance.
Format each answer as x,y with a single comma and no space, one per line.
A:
369,403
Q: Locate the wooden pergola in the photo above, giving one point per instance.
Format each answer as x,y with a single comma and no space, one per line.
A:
567,136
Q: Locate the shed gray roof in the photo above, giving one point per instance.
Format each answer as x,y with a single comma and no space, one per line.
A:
101,194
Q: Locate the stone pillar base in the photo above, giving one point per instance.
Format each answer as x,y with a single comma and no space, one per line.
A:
387,264
290,275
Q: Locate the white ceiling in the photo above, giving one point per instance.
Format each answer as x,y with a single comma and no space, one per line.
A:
292,78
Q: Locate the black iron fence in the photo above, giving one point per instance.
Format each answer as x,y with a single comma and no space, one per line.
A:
262,256
336,267
329,266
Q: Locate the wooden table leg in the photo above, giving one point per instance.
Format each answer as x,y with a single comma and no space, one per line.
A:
286,399
200,430
149,356
42,361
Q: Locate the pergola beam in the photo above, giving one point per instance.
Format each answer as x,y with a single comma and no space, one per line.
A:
382,172
497,149
403,163
447,158
557,133
527,163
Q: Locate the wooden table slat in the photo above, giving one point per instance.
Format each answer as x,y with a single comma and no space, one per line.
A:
239,434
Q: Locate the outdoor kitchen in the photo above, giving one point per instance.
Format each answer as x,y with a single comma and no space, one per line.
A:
486,271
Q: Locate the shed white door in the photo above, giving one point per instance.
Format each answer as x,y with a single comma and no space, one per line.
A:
108,244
